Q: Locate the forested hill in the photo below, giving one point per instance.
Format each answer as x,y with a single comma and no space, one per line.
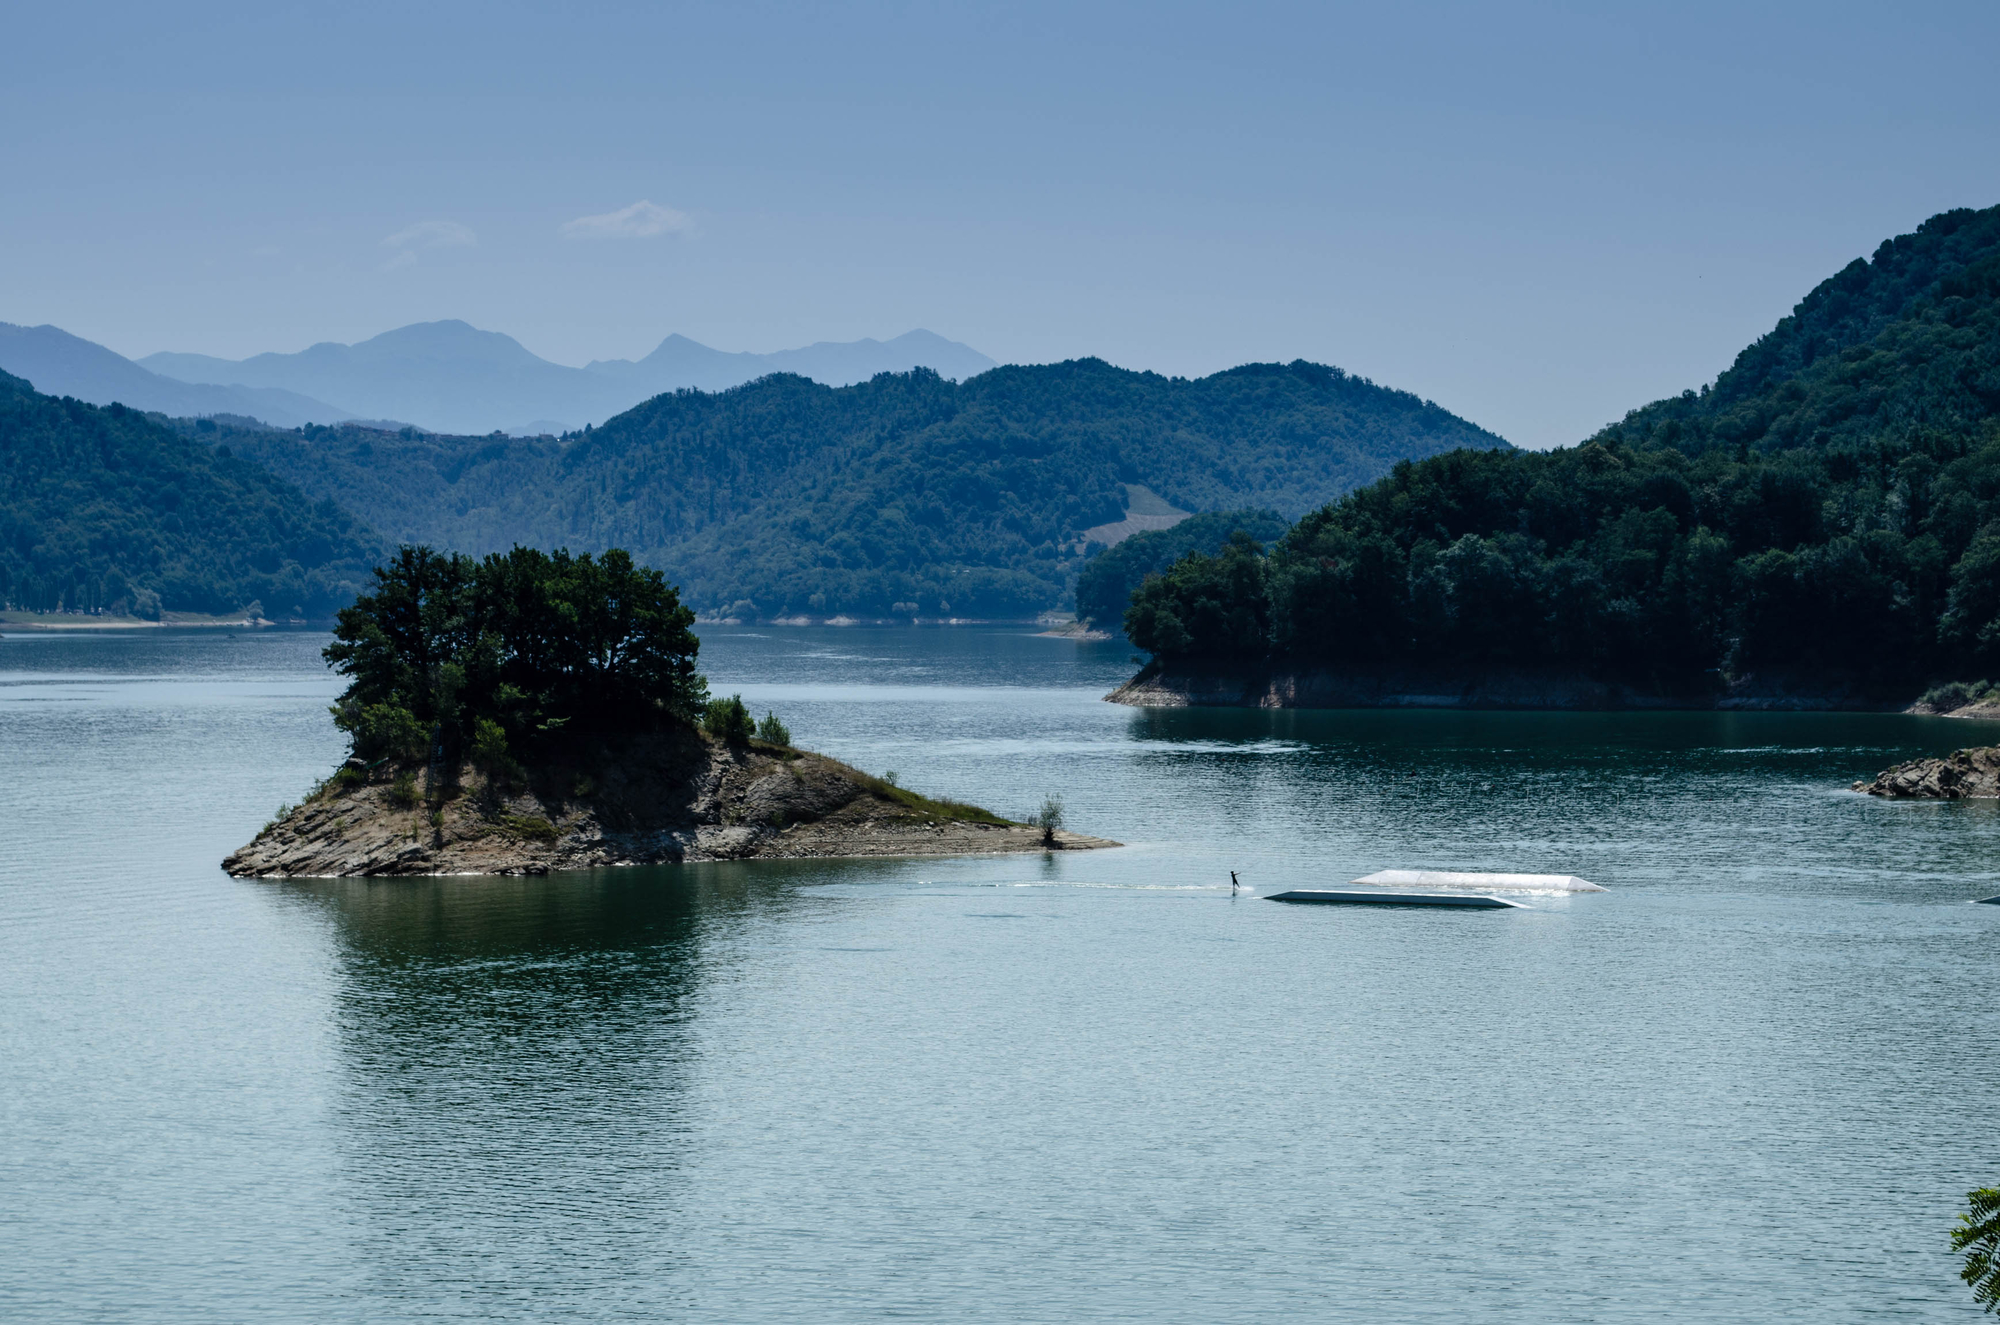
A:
1904,343
1827,514
905,495
108,508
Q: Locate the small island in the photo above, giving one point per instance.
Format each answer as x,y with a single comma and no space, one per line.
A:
1963,775
539,711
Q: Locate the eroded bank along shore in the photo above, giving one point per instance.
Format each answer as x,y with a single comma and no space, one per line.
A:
660,798
1158,686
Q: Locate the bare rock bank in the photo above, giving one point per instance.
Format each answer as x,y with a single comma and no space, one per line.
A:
1963,775
1175,687
648,800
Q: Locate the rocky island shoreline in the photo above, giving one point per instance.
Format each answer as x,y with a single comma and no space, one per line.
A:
537,711
672,798
1972,774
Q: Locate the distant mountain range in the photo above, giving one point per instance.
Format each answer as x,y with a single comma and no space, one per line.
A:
453,378
762,491
446,377
904,495
60,364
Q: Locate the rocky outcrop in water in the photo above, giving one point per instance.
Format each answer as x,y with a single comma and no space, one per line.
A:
646,800
1964,775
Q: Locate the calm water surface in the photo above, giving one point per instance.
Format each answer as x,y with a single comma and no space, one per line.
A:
1751,1083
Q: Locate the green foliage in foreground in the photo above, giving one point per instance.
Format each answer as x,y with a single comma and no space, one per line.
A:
1830,510
108,509
904,496
456,656
1104,586
1977,1237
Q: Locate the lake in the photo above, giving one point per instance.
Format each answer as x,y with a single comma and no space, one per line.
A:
1752,1082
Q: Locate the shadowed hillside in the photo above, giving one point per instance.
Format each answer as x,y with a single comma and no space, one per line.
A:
106,508
1826,517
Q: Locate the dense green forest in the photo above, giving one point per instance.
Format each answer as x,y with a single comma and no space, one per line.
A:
905,495
1105,584
108,509
1828,511
489,657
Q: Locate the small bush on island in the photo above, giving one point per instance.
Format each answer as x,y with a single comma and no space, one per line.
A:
772,731
403,791
1049,819
382,731
490,754
728,721
488,657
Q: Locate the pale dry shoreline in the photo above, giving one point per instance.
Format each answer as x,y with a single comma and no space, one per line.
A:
40,621
1162,687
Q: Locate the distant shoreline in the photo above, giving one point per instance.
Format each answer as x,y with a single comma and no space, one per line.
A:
59,621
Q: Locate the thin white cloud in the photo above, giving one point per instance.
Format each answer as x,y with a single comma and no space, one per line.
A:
642,220
432,234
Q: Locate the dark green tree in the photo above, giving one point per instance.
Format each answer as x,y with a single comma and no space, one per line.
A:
1977,1237
508,650
1104,586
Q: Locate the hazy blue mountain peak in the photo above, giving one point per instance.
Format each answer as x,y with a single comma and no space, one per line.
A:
450,376
60,364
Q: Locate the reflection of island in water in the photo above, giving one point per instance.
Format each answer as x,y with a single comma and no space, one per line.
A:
517,1056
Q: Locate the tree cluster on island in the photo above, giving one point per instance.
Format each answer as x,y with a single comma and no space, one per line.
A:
453,658
1830,508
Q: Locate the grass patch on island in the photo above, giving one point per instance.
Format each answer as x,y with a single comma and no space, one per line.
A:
922,806
531,826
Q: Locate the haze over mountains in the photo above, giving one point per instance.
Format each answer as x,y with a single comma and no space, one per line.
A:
444,377
454,378
60,364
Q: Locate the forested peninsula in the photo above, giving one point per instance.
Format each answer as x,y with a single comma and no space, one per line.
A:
1821,526
531,711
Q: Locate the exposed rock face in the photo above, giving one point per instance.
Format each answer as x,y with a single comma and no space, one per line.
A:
1966,775
1157,687
648,800
1224,687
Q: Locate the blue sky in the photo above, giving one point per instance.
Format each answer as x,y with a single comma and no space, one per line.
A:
1537,215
